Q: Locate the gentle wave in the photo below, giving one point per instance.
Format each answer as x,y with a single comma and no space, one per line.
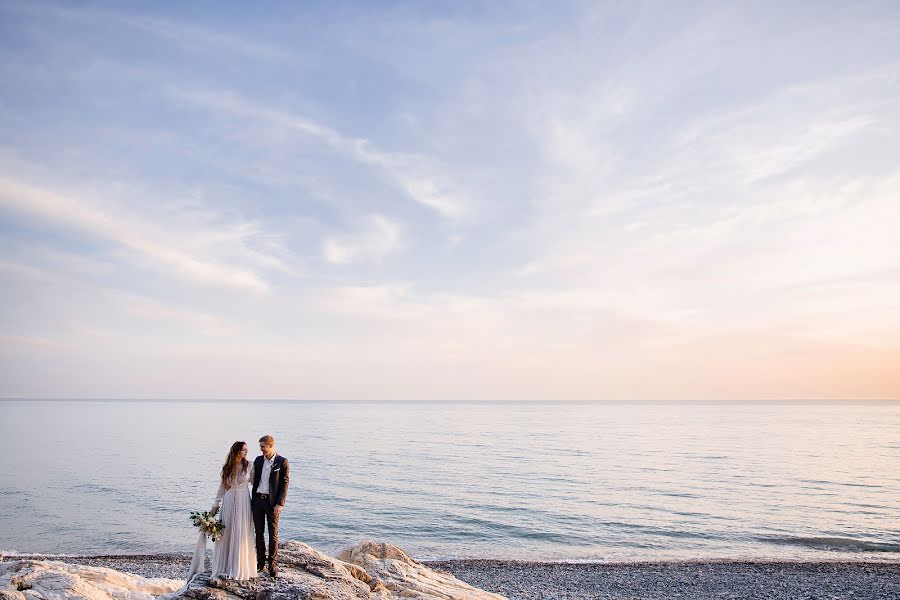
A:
842,544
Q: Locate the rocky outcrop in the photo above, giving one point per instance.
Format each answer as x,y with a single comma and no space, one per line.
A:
48,580
366,571
404,577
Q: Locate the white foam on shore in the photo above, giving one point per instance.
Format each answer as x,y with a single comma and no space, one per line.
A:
13,553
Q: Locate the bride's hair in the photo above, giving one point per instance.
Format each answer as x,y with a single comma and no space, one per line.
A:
230,468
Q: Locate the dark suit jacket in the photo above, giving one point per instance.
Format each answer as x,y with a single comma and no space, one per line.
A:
278,479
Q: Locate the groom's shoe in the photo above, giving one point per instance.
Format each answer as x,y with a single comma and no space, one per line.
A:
273,570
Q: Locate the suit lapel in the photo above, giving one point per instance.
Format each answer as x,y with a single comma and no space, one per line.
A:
275,464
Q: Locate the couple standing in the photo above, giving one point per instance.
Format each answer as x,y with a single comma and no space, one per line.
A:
244,510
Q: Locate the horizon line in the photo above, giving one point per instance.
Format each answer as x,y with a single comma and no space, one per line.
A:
459,401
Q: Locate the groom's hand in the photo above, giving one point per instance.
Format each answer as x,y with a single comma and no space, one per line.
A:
278,508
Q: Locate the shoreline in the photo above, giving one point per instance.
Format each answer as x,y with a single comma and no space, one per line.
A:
558,580
13,555
511,562
176,558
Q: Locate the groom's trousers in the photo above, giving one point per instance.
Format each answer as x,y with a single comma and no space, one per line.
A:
264,517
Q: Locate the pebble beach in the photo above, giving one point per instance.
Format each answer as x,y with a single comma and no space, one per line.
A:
725,579
526,580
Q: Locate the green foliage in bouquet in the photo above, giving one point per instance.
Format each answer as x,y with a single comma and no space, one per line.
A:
208,524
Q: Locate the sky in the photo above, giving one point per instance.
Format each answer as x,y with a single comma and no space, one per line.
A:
450,200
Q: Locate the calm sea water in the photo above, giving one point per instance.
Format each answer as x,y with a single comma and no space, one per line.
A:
589,481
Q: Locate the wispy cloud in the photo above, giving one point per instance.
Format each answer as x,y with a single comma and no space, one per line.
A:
185,35
191,36
123,229
380,238
411,173
81,308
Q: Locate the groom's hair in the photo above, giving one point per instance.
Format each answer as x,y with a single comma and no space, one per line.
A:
267,439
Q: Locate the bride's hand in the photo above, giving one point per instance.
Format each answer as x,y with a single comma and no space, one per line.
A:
215,509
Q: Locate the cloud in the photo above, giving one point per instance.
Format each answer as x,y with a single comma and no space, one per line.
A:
191,36
187,36
123,229
380,238
414,174
62,299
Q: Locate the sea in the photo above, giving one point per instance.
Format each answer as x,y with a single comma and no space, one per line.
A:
550,481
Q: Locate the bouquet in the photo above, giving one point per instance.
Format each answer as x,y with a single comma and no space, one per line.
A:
208,524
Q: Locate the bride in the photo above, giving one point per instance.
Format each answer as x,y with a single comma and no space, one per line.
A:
234,554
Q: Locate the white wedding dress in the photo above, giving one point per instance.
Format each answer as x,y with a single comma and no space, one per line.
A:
234,554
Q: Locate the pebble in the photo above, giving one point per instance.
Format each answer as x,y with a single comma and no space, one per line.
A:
725,579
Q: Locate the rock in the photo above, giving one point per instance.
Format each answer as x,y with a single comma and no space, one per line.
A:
367,571
406,578
46,580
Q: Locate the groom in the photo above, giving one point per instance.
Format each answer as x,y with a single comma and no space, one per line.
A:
270,486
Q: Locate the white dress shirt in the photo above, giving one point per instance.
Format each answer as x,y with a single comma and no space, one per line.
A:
264,475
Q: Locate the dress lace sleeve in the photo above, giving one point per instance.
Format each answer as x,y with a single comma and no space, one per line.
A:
219,495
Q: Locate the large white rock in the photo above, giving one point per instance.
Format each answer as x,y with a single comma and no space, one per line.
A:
50,580
408,578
